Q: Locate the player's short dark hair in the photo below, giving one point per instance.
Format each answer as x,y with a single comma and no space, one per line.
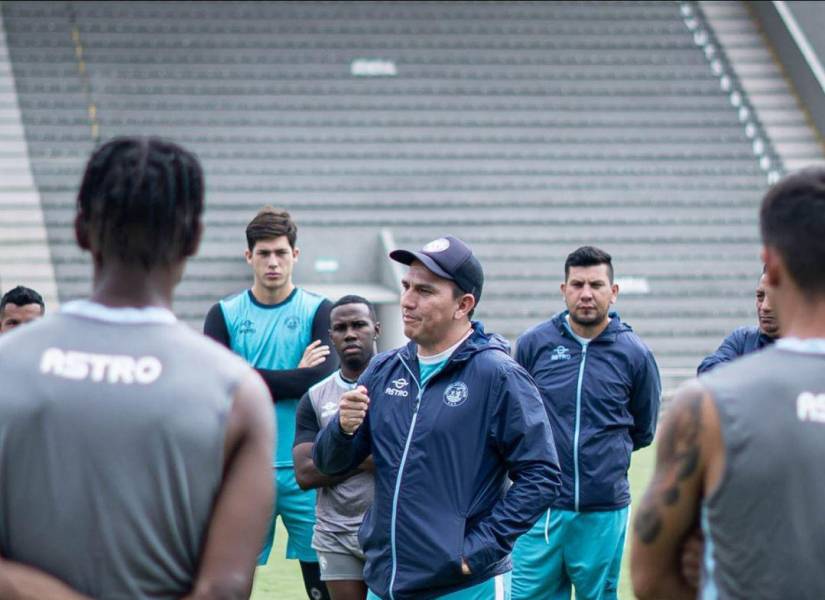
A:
353,299
21,296
141,200
588,256
792,220
271,223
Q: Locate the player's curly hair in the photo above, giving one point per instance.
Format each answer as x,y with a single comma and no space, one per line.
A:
140,201
353,299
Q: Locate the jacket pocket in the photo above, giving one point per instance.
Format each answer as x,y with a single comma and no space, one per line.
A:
431,557
476,552
459,549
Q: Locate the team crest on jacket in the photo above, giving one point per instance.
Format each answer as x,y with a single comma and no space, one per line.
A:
456,394
292,323
560,353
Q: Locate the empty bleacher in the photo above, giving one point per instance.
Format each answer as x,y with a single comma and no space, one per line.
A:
527,128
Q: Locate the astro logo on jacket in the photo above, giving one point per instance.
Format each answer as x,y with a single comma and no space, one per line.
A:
456,394
560,353
397,388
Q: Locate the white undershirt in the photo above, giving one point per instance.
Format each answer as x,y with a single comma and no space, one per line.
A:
805,346
582,340
446,354
118,314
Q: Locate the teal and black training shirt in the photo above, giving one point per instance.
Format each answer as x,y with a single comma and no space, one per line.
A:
272,338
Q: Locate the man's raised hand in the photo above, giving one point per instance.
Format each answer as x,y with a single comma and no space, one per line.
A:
353,409
314,355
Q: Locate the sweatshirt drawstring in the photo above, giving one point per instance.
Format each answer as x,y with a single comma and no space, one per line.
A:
547,527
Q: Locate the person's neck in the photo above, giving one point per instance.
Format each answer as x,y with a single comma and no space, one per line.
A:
773,336
588,332
803,318
352,374
456,333
276,296
116,284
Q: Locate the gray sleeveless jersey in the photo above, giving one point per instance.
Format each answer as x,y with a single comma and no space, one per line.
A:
340,508
111,447
765,523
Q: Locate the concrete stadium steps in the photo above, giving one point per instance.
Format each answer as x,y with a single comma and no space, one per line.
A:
526,128
595,199
413,72
762,77
588,107
25,257
690,227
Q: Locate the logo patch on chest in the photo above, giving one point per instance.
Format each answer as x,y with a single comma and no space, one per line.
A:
560,353
456,394
328,409
292,323
398,388
247,326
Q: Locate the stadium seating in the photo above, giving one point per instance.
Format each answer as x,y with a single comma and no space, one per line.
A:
526,128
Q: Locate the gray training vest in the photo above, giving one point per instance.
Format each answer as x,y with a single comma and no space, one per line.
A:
112,425
339,509
765,523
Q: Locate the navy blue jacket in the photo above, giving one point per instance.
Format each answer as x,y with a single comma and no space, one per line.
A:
442,456
603,402
741,341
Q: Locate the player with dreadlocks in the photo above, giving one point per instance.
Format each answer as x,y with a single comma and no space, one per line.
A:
129,470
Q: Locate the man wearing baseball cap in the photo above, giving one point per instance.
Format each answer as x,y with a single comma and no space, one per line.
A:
447,418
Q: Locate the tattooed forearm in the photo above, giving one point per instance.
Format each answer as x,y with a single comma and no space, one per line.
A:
678,460
683,445
648,523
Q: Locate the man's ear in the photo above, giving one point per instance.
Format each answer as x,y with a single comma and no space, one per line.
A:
774,266
466,303
295,252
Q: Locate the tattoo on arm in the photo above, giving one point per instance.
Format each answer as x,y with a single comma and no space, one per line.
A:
648,524
678,460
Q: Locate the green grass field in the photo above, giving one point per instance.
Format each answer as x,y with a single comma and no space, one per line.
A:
281,579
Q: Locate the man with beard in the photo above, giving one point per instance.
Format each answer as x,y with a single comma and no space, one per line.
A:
747,339
343,500
601,389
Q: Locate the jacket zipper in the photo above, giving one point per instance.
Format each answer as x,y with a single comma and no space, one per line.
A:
398,477
577,429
